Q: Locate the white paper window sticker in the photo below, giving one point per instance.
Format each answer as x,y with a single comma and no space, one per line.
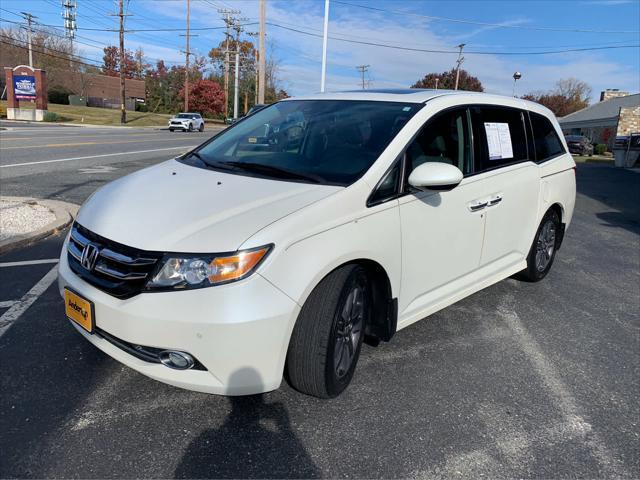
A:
499,140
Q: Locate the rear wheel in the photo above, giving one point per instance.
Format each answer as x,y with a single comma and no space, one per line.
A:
543,250
326,340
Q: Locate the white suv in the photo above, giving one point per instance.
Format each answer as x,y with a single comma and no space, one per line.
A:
187,122
284,242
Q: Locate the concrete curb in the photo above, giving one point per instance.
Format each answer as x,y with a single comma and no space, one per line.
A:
65,213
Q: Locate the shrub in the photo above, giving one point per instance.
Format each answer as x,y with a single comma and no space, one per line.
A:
59,95
50,117
142,107
600,149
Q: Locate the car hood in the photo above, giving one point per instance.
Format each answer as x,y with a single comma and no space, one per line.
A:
174,207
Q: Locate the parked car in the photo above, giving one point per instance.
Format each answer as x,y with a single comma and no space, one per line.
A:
284,242
579,145
187,122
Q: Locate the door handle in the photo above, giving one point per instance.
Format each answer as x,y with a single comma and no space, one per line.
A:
494,201
474,207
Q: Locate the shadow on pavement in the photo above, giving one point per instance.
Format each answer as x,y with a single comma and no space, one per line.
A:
255,441
618,189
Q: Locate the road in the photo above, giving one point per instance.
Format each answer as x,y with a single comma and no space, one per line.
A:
519,380
69,162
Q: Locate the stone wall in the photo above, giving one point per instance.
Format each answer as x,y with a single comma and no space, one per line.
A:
610,93
629,121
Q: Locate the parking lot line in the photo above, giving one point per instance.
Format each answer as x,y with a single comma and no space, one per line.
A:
186,147
7,303
28,262
21,306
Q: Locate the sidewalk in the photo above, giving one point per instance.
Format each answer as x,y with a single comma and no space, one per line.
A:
26,220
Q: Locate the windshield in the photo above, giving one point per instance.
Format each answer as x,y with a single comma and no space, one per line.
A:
574,138
185,115
321,141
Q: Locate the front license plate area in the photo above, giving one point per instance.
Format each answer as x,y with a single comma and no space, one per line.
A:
79,310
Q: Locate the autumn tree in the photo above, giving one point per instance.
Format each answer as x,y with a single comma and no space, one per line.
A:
447,81
205,97
111,62
569,95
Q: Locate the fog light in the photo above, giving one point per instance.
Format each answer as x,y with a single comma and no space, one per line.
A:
176,360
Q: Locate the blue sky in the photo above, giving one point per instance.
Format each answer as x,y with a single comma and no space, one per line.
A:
517,27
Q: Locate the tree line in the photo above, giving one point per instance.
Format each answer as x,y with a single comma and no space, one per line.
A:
567,96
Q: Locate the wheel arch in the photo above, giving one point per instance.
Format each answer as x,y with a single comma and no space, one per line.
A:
385,307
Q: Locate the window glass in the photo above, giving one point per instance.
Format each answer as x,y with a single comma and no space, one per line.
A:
499,136
545,137
388,187
320,141
444,138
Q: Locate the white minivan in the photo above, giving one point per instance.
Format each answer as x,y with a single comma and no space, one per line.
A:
282,243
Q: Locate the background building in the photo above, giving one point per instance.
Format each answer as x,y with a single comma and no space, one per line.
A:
617,113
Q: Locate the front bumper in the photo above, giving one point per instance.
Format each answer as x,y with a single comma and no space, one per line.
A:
239,332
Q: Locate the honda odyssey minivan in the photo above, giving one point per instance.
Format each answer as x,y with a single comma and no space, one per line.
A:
277,247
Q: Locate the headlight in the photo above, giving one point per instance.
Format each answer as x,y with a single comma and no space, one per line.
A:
201,270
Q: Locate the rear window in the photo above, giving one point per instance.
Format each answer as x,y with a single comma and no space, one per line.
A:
545,138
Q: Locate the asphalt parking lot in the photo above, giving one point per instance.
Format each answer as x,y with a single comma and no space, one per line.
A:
519,380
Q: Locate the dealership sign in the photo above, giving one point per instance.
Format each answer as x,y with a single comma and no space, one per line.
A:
24,87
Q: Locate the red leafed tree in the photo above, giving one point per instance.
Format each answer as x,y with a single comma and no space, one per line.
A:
111,62
447,81
205,97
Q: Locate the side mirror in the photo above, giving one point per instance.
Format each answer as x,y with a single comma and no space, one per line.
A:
435,176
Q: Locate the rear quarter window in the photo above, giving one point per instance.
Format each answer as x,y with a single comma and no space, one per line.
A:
545,138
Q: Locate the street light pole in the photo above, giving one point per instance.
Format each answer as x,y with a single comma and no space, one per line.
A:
325,37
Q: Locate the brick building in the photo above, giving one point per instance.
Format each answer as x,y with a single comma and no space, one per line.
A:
617,113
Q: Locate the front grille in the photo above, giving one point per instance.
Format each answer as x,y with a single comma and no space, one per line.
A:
119,270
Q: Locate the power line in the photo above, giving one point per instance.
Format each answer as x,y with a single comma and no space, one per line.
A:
45,52
424,50
486,24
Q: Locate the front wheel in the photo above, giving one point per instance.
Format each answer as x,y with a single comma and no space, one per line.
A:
201,129
543,250
191,127
171,129
326,340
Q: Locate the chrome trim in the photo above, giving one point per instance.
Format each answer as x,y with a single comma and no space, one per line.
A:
74,251
478,206
125,259
102,268
79,238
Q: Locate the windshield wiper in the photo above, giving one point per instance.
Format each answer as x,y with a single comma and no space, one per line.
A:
210,164
272,171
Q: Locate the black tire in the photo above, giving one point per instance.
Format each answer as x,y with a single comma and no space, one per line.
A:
316,364
201,128
171,129
191,127
544,248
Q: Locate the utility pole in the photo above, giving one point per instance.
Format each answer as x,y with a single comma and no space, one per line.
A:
236,82
29,18
69,15
228,21
325,38
459,62
186,72
262,74
363,69
123,98
437,80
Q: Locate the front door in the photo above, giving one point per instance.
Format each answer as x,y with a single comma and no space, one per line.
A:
442,232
